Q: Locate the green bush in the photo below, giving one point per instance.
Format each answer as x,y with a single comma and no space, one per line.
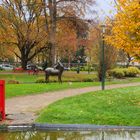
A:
132,72
71,77
40,80
87,68
87,80
1,69
117,73
124,72
13,82
73,68
83,68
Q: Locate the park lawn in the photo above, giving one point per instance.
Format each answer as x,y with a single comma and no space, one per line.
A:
21,77
67,76
110,107
28,85
13,90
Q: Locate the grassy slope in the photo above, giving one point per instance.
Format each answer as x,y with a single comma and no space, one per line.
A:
13,90
30,88
67,76
111,107
21,77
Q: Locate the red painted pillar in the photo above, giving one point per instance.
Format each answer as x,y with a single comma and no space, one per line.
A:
2,99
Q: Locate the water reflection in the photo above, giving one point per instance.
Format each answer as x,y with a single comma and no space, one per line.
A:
78,135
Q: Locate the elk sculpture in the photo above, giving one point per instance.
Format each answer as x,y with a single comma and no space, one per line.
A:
56,71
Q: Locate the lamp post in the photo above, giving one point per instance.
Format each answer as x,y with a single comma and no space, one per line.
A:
103,58
78,68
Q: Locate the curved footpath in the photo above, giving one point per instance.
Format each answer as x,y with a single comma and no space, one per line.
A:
24,109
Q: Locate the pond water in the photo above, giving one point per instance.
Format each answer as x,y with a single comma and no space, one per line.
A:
71,135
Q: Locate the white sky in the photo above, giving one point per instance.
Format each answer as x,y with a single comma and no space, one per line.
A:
104,8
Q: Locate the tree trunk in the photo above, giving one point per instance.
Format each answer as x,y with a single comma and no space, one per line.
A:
52,11
24,56
69,61
24,63
129,60
50,62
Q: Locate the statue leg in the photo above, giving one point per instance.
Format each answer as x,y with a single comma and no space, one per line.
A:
59,78
47,78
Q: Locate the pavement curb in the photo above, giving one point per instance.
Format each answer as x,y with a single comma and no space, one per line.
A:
65,127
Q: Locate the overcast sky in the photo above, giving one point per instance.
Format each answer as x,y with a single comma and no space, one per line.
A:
104,8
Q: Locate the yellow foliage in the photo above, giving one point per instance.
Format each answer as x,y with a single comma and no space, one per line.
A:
126,27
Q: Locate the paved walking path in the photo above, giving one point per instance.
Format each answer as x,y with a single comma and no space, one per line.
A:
24,109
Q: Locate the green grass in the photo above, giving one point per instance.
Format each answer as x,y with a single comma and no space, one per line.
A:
21,77
13,90
67,76
110,107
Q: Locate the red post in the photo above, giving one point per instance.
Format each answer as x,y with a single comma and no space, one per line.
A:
2,99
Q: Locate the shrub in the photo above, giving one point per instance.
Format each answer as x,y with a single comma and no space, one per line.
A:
83,68
87,80
132,72
13,82
124,72
118,73
73,68
40,80
70,78
86,68
1,69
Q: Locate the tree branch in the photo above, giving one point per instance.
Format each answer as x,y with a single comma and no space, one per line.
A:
17,55
36,52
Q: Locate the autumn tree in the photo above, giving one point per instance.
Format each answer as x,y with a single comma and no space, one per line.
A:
56,10
33,24
94,50
70,38
22,28
66,41
124,58
126,27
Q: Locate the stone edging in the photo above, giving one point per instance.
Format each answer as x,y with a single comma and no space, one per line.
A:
66,127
